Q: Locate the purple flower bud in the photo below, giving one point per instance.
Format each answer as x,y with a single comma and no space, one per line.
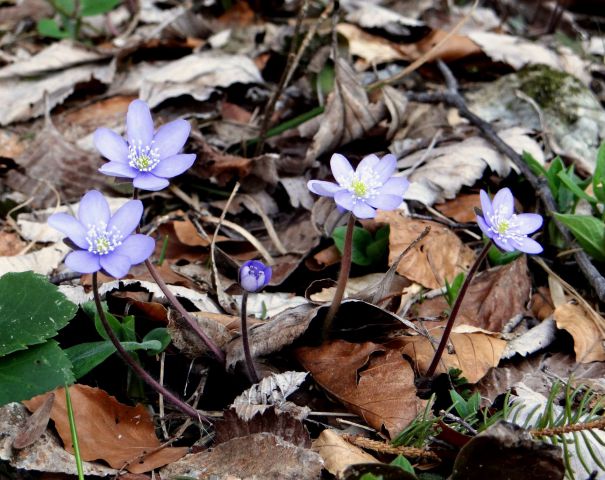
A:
104,241
365,189
149,158
508,230
254,275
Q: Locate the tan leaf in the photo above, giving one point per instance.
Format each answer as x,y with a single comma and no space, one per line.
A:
371,48
374,382
587,338
338,454
461,208
493,298
109,430
474,353
439,256
348,115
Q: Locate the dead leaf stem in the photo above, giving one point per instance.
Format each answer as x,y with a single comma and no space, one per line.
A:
382,447
563,429
453,98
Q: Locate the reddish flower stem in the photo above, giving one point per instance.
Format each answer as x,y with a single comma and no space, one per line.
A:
345,270
455,309
246,344
140,371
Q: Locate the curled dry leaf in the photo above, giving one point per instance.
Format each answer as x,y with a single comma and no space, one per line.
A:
493,298
338,454
439,256
588,339
35,425
257,456
374,382
109,430
371,48
474,353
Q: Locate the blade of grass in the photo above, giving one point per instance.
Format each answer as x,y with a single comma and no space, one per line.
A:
74,433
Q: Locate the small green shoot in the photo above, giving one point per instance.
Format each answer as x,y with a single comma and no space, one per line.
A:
74,433
404,464
452,290
163,251
367,250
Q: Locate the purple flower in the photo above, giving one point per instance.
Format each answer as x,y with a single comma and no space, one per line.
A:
254,275
364,190
148,158
105,241
508,230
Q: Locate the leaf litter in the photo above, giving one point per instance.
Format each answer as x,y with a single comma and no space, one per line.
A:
355,86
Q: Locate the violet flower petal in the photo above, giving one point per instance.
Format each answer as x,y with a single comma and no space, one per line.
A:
527,245
117,169
504,244
528,223
363,210
385,201
486,205
171,137
116,265
341,168
68,225
323,188
174,165
127,217
386,167
137,248
484,227
111,145
139,124
504,203
368,163
148,181
345,199
93,209
82,261
395,186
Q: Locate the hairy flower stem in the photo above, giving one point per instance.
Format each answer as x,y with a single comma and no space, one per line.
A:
345,270
213,347
249,361
140,371
455,309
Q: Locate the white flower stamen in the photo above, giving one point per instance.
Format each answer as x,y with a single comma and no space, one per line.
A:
102,241
505,226
143,157
363,184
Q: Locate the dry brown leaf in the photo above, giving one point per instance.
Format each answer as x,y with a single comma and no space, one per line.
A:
474,353
458,46
258,456
109,430
372,381
36,424
10,244
493,298
338,454
438,257
348,114
588,341
371,48
461,208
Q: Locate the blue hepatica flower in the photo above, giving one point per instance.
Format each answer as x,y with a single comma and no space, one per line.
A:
105,241
148,158
508,230
254,275
365,189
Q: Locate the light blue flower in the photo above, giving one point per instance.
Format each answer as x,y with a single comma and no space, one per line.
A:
254,275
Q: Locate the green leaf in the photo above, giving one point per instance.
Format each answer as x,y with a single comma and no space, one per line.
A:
361,239
36,370
64,6
162,336
91,310
589,232
97,7
598,179
451,291
87,356
569,182
404,464
535,166
379,247
31,311
47,27
498,257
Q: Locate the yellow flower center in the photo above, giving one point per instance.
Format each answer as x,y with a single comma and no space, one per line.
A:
503,226
359,188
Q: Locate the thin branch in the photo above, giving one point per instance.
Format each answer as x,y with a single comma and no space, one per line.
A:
563,429
382,447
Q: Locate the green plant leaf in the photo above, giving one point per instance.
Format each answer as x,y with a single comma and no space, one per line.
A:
569,182
91,310
37,370
86,356
589,232
498,257
361,239
598,179
161,335
97,7
67,7
537,168
31,311
47,27
377,250
404,464
452,290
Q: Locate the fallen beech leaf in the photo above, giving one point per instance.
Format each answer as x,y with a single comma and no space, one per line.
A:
474,353
372,381
371,48
493,298
36,424
439,256
257,456
542,304
461,208
109,430
338,454
11,244
588,340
